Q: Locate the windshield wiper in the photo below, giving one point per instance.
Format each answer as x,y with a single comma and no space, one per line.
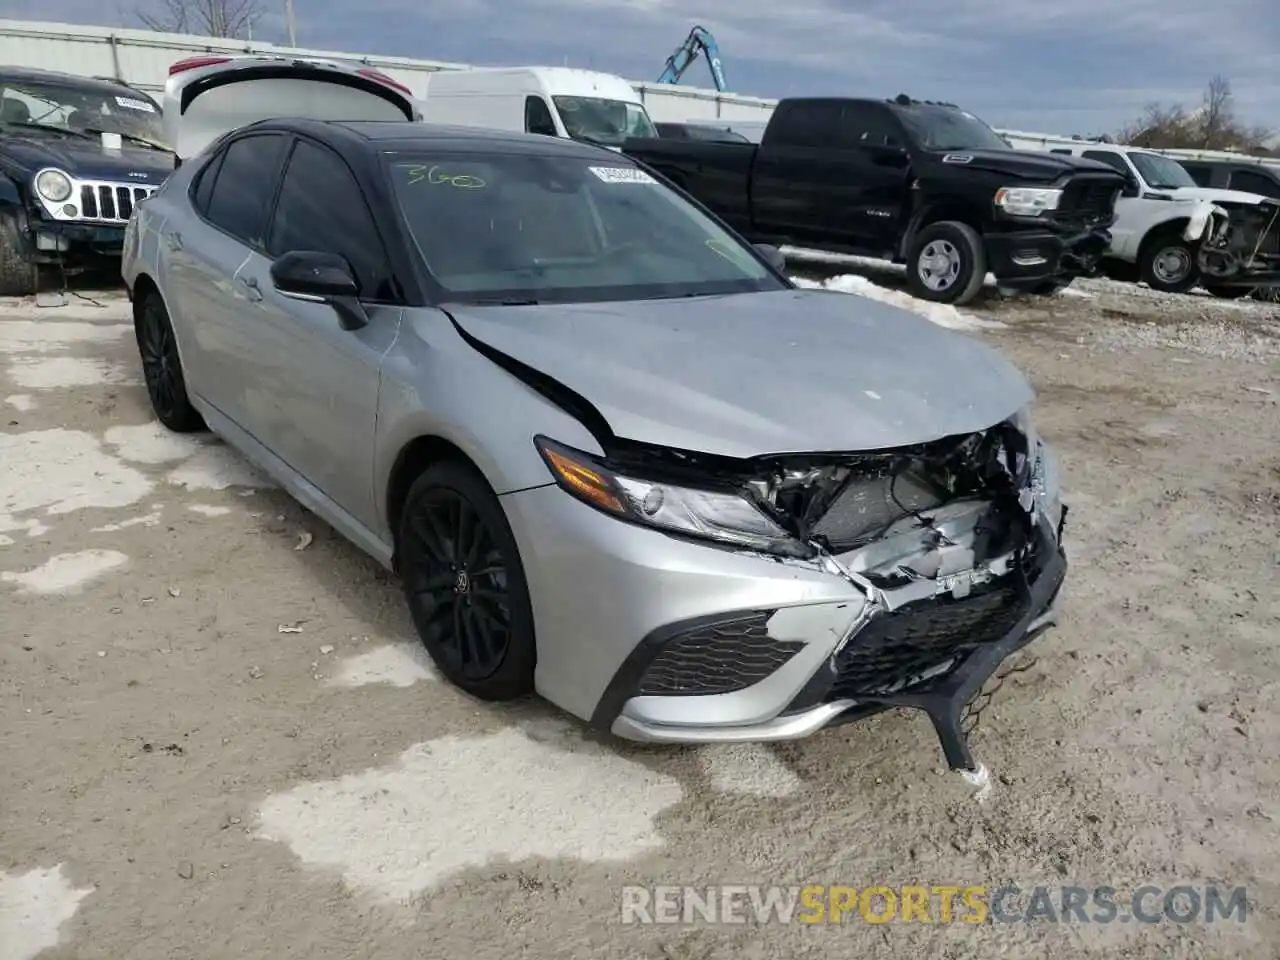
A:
506,302
132,138
27,125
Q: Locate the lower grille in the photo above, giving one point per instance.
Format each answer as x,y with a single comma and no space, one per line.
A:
892,652
110,201
718,657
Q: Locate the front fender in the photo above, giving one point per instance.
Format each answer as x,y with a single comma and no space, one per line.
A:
1137,226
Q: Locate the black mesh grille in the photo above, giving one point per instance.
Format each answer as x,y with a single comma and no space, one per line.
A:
1088,200
892,652
718,657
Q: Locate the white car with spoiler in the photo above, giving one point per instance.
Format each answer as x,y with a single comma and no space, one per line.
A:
207,96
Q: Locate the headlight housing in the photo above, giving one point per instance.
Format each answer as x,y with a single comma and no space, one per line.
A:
53,185
1028,201
720,516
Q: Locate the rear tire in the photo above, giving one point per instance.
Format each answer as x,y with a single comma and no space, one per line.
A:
19,277
1168,263
947,263
465,584
162,367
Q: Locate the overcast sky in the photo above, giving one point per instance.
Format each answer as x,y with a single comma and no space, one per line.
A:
1080,67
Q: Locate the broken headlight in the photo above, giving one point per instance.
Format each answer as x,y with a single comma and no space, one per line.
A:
721,516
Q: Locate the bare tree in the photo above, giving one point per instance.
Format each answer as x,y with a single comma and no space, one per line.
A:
1211,126
210,18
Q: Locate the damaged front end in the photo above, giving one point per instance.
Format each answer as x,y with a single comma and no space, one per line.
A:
1240,245
954,546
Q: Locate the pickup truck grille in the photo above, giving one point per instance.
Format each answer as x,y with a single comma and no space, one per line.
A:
112,202
1088,201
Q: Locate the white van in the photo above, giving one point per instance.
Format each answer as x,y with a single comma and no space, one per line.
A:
206,96
554,101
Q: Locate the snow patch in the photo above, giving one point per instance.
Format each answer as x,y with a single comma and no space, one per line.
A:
48,335
943,314
150,443
20,402
216,468
459,802
33,906
67,572
59,471
748,768
208,510
397,664
147,520
51,373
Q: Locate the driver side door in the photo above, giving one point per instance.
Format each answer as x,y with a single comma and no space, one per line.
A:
320,383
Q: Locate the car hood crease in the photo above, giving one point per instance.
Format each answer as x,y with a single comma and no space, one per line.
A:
753,374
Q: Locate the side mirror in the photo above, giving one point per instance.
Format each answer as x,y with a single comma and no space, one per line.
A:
773,255
1130,188
318,277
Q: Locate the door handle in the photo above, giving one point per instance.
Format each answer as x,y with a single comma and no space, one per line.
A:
174,240
251,288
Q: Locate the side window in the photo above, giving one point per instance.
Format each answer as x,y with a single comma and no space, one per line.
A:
241,193
808,123
1202,175
203,188
321,208
1251,182
865,125
537,117
1110,158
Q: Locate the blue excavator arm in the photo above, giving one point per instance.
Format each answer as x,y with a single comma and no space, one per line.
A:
699,41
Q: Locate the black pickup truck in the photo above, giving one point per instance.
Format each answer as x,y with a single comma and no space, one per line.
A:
914,182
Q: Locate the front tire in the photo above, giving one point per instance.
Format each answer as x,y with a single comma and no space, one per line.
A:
19,277
1168,263
465,584
947,263
162,368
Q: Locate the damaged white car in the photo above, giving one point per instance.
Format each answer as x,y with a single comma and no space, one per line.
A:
616,457
1173,234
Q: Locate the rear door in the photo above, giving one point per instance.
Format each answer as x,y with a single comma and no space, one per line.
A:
231,198
206,97
316,385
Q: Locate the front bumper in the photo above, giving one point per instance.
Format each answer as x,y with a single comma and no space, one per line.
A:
736,647
72,244
1027,258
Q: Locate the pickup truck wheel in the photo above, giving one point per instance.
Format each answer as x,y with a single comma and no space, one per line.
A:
1168,263
19,277
948,263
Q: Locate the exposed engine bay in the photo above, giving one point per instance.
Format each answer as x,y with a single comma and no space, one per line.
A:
914,497
1241,244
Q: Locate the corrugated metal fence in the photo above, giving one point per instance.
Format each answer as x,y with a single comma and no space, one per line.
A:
142,58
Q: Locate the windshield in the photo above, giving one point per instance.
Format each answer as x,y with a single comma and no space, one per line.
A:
1161,173
935,127
603,121
69,109
527,227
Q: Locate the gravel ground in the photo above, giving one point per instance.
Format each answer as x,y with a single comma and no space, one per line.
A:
219,740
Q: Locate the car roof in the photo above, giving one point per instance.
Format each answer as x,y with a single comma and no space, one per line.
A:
1245,163
34,75
392,136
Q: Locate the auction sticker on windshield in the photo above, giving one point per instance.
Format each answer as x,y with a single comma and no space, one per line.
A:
622,175
131,104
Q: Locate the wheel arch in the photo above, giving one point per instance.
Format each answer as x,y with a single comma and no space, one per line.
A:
951,208
413,458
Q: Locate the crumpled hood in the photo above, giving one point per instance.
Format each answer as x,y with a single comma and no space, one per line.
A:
88,159
1214,195
791,371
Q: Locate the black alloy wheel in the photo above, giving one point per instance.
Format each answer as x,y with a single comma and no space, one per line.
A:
162,369
464,583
